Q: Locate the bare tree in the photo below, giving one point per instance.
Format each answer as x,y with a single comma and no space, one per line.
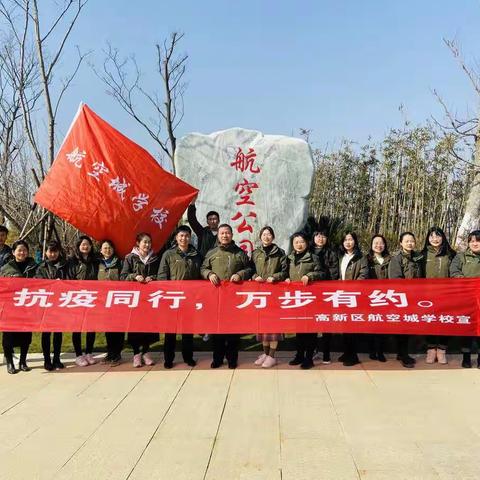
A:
122,77
465,132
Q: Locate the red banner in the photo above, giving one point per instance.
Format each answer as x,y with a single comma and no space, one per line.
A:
437,306
109,187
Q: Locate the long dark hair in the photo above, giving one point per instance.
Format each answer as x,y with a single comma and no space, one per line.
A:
445,248
356,250
320,231
385,253
79,255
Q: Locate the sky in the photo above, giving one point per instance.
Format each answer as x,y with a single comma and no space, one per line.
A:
339,68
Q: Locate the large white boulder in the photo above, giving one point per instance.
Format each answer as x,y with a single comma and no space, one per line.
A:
242,173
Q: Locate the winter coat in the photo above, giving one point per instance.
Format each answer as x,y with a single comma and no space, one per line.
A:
225,261
376,270
329,259
306,263
272,264
59,269
465,264
357,268
404,265
5,253
133,266
110,272
79,269
179,265
436,266
11,269
206,238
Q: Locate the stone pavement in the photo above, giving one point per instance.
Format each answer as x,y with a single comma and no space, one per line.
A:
373,421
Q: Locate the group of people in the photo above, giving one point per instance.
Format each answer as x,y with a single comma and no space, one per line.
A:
217,258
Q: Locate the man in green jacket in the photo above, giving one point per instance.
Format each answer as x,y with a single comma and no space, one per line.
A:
181,262
226,262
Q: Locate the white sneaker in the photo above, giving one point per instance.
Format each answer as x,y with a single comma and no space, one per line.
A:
431,355
269,362
81,361
259,361
441,356
90,360
137,360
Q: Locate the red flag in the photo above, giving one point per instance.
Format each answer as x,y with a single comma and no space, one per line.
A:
109,187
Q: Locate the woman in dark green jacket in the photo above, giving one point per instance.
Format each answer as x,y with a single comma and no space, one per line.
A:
54,267
378,259
83,265
465,265
21,265
437,257
141,265
353,266
109,268
304,266
407,263
329,258
270,263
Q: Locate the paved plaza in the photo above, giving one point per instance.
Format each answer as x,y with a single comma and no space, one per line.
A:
373,421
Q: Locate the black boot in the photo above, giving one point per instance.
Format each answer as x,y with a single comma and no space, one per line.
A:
22,364
467,361
57,364
47,364
10,365
296,360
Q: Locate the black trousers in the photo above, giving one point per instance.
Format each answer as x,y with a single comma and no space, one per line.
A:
376,342
326,342
57,344
77,343
402,344
225,346
467,344
437,341
16,339
115,341
305,343
169,347
350,344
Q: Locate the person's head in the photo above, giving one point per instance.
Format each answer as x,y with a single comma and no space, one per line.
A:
349,244
407,242
20,250
3,235
225,234
267,235
107,249
474,241
53,251
143,241
84,247
183,235
213,219
320,238
299,242
378,246
437,239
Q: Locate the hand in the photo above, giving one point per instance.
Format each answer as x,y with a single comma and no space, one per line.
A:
259,279
287,280
270,280
235,278
305,280
214,280
139,278
148,279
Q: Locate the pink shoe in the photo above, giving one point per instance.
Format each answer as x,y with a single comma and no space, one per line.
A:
81,361
441,356
137,360
269,362
148,360
90,360
431,355
259,361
